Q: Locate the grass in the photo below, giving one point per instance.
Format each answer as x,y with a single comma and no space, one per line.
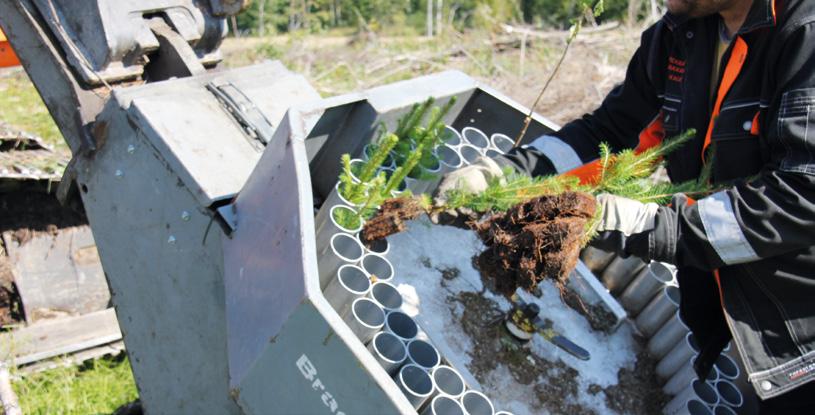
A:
22,107
96,387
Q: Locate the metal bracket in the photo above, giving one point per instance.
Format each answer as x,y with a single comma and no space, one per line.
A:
229,215
254,122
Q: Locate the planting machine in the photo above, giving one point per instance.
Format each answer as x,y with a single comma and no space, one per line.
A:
201,184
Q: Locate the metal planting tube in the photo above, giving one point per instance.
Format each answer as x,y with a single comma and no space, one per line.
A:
684,376
727,367
667,336
596,259
469,153
334,198
443,405
696,390
723,410
330,226
729,394
620,272
476,138
449,158
386,295
423,354
351,283
691,407
379,247
448,381
401,325
415,383
451,137
365,319
658,311
389,351
377,266
475,403
343,249
678,356
645,285
502,142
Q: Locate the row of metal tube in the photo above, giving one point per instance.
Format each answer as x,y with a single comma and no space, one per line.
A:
648,292
371,307
355,281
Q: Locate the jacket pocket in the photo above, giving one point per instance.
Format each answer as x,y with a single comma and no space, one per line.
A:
796,130
738,151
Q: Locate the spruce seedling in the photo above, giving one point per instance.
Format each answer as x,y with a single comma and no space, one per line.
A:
347,218
377,158
624,174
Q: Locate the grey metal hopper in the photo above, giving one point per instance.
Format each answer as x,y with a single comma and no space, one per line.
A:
205,228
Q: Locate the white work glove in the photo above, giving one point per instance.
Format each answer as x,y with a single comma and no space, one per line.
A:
474,178
625,226
625,215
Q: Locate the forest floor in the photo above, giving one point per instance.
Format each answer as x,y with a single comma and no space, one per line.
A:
336,65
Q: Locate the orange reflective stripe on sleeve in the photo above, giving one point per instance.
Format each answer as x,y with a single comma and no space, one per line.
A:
731,72
651,136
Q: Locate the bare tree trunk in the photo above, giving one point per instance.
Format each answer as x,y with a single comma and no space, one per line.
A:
633,11
7,396
261,23
429,18
306,7
439,16
234,22
292,16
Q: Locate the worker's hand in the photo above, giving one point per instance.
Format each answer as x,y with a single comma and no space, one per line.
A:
473,179
620,219
625,215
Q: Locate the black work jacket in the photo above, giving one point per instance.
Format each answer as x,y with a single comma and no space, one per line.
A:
759,231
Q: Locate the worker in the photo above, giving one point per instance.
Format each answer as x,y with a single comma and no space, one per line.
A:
742,73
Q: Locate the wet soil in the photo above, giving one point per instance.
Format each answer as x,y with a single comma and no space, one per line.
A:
391,218
637,391
599,318
534,240
556,385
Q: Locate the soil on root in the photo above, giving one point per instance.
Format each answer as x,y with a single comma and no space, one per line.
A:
535,240
391,218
